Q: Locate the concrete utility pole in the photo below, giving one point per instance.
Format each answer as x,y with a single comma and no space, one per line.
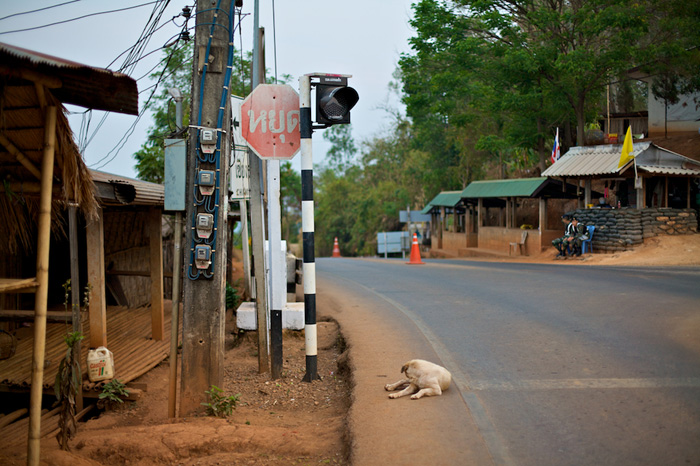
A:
207,193
257,221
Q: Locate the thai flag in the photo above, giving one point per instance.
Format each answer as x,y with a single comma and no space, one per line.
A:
556,150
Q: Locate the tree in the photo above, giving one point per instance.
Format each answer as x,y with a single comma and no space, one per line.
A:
290,198
177,73
520,67
343,148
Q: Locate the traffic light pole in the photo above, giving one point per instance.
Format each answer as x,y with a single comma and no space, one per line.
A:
307,221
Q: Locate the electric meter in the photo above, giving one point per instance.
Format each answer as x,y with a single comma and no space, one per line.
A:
205,225
202,256
206,182
207,140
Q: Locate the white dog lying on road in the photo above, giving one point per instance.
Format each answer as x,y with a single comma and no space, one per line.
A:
423,378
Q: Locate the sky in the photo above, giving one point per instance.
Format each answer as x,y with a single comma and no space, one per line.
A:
363,38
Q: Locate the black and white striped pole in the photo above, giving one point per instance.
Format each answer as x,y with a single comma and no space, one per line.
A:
334,100
307,225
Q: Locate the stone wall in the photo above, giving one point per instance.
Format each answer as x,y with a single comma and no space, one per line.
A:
622,229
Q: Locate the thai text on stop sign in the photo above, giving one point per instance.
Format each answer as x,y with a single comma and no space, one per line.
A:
277,122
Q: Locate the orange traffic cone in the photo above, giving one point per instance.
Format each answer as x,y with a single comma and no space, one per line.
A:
336,248
415,252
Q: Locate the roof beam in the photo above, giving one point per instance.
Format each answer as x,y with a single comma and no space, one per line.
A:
30,75
21,158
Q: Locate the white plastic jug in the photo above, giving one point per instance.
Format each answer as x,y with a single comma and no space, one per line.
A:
100,364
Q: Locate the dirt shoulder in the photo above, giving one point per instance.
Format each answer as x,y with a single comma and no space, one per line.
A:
657,251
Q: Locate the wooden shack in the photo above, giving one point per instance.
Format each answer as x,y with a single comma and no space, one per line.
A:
53,209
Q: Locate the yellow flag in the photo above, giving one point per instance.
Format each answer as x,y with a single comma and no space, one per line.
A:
627,149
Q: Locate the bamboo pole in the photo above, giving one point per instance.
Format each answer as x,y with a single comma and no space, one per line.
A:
42,276
12,417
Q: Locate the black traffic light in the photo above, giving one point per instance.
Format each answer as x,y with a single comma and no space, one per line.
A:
334,100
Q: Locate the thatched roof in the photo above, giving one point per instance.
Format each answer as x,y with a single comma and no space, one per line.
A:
28,84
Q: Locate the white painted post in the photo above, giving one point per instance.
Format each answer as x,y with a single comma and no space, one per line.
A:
277,265
307,222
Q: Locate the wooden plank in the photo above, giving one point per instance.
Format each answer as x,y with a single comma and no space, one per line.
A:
156,255
97,309
18,285
136,273
10,314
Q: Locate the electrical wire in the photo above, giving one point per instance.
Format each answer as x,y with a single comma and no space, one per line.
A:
37,10
79,18
215,158
135,54
120,144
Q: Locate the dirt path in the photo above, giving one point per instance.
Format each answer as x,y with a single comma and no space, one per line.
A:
287,421
658,251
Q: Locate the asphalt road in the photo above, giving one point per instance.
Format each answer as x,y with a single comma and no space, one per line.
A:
557,364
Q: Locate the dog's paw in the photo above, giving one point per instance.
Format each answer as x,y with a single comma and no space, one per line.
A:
416,396
394,395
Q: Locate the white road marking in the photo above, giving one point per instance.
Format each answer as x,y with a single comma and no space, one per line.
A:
577,384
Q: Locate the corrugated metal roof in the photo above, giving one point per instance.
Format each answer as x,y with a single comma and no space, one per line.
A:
119,190
520,187
75,83
603,160
592,160
444,199
662,161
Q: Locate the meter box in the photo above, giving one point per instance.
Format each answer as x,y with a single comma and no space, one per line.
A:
207,140
205,225
202,256
206,181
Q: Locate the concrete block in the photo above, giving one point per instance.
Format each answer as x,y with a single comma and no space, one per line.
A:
292,316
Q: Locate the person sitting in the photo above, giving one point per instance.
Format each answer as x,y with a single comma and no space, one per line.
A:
603,204
581,234
563,243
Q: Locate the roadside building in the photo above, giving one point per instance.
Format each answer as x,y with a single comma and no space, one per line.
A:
655,193
487,216
59,219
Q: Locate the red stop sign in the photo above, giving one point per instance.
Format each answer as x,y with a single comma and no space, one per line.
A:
270,121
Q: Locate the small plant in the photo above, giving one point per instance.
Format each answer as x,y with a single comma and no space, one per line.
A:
220,405
232,298
113,392
66,386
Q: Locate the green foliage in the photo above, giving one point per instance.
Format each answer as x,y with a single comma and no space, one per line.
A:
485,87
232,298
177,73
113,392
66,385
220,405
290,199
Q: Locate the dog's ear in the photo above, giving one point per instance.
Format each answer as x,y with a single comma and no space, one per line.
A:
404,368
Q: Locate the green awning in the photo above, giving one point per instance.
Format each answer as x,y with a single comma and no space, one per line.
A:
444,199
521,187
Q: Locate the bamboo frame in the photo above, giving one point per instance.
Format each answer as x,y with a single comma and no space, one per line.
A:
21,158
41,297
